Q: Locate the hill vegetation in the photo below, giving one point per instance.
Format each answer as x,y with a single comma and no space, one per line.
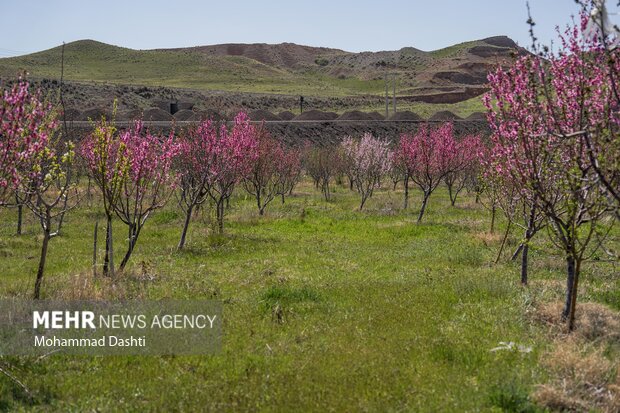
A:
281,69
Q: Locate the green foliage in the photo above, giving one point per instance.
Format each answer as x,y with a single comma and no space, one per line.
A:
512,397
279,295
453,50
321,61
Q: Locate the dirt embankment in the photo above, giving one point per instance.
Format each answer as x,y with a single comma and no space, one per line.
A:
323,132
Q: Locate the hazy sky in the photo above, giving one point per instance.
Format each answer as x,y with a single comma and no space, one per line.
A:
31,25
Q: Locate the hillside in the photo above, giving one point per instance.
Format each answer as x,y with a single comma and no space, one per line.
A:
449,75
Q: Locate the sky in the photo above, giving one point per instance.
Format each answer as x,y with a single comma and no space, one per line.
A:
28,26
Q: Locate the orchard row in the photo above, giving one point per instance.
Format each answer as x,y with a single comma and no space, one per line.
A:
553,160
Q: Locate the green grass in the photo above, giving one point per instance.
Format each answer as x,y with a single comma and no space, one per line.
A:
426,110
374,312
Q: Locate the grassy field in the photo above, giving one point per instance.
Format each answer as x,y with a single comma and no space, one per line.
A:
426,110
378,313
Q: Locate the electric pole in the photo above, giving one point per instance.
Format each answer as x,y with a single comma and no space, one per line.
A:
387,99
394,92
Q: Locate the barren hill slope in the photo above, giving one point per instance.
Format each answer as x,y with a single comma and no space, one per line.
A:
284,55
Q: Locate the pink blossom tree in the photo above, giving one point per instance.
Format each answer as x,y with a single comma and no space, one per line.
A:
26,126
289,172
194,167
538,111
34,162
429,157
264,179
601,40
464,164
231,160
322,163
402,164
149,180
369,159
133,171
398,171
107,162
519,207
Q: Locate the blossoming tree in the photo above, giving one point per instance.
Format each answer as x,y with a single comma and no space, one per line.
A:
133,171
368,159
541,111
263,180
35,162
289,172
322,163
231,158
464,164
429,157
26,126
195,170
48,187
149,180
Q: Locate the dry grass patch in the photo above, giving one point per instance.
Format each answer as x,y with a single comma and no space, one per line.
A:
583,376
488,238
594,322
84,287
582,379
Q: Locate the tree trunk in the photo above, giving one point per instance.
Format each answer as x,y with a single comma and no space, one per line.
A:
363,202
325,187
501,248
493,219
573,298
570,280
61,219
188,217
517,252
261,208
282,195
220,215
406,202
451,195
108,262
96,232
526,249
529,233
424,201
46,239
20,214
134,231
89,196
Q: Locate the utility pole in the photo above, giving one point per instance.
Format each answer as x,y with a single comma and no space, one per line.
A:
387,99
394,78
